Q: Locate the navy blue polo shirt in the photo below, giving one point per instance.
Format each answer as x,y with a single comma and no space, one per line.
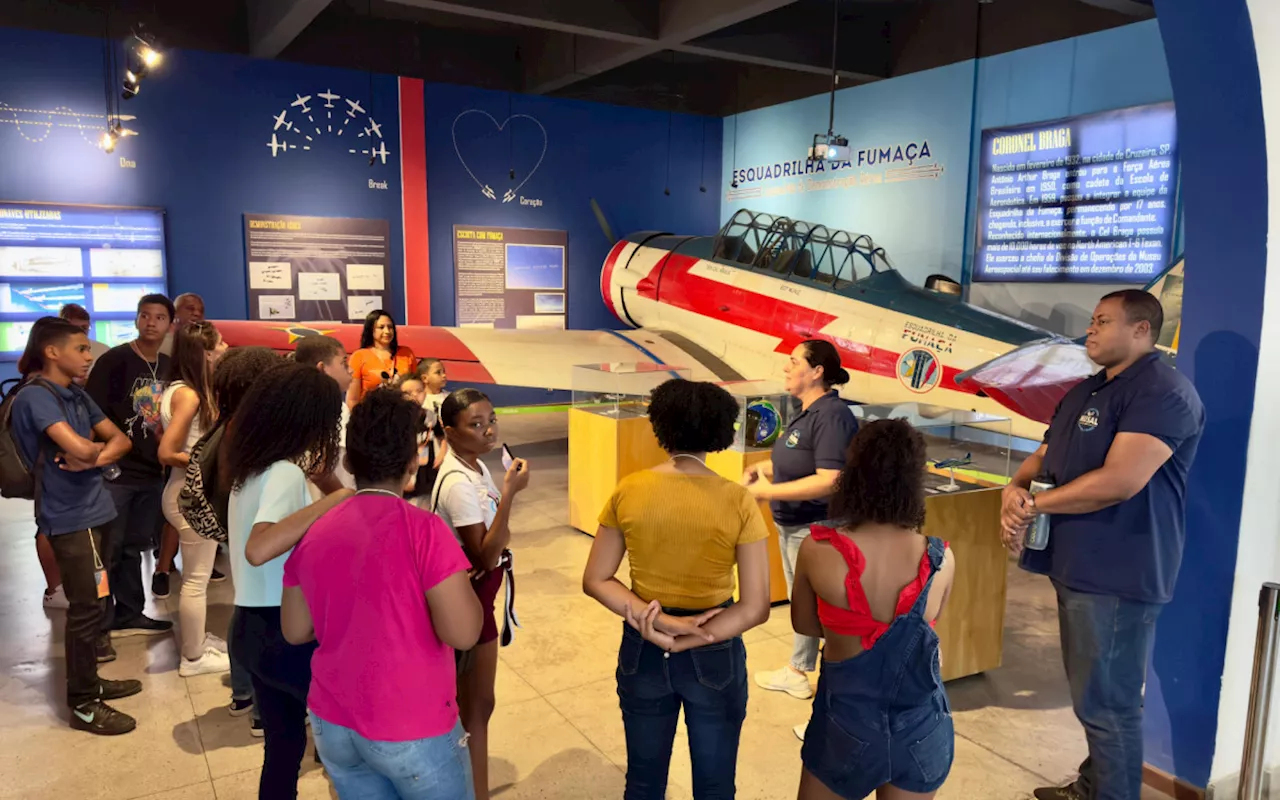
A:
1133,549
69,501
818,438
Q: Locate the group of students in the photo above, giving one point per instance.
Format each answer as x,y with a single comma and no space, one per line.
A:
357,610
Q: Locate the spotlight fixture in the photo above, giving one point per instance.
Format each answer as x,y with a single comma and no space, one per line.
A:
142,56
107,141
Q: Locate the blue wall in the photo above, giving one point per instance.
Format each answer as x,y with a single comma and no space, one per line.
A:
925,223
204,121
617,155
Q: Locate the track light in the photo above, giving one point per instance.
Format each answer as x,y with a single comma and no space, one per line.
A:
149,55
142,56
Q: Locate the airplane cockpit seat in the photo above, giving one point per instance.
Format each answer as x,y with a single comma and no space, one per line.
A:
734,248
782,261
803,264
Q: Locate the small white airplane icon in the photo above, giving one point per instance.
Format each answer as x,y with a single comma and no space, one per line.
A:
374,128
281,122
276,145
301,101
329,97
381,151
355,106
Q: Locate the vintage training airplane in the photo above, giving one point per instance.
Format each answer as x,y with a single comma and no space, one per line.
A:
732,307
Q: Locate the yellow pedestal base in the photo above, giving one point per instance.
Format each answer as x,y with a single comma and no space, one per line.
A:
602,451
732,464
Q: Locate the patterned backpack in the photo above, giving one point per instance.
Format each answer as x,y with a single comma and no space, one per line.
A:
201,501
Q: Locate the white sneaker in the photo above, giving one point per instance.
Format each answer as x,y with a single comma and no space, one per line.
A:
799,730
785,680
212,641
56,599
211,661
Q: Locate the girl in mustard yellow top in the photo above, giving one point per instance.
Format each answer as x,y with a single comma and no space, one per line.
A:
684,528
380,358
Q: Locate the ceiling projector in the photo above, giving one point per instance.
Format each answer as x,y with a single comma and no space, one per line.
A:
829,147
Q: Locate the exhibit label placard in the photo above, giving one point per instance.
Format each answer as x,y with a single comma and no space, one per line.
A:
509,277
315,268
1091,199
103,258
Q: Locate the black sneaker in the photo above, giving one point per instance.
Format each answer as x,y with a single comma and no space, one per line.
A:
100,718
106,652
255,729
142,626
115,690
216,577
1058,793
160,585
239,708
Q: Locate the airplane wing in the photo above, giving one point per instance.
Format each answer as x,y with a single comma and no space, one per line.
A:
542,359
1033,378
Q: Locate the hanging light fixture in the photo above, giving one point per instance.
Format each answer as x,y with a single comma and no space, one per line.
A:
141,56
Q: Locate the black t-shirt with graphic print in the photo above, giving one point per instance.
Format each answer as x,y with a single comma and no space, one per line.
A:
128,388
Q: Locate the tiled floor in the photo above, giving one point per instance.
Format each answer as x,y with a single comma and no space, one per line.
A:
556,733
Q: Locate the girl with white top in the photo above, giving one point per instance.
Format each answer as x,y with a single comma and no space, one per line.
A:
187,412
466,497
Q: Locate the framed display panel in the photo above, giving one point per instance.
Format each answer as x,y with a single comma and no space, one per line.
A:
104,258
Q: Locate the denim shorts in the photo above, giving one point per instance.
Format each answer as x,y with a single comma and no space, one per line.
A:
854,756
438,768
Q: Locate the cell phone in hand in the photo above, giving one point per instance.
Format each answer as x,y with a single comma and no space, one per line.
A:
507,458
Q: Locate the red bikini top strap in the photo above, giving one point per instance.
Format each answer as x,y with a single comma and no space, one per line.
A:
856,562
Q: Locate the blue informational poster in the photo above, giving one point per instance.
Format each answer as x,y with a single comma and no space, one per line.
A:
510,277
102,258
1090,199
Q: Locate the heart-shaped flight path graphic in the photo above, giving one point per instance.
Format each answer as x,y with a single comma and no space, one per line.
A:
485,188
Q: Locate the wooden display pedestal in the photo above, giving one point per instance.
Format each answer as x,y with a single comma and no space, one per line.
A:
602,451
972,624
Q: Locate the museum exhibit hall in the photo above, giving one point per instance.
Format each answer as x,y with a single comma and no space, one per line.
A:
867,398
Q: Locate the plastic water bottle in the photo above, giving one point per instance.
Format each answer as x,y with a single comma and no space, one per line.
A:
1037,536
111,471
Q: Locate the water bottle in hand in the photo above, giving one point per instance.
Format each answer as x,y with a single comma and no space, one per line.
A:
111,471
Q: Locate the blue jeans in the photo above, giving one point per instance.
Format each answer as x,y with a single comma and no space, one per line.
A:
711,684
241,680
438,768
1106,643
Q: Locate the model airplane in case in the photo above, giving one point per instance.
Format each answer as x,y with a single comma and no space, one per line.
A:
733,306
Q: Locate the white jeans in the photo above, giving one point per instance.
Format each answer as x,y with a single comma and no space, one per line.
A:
198,554
804,649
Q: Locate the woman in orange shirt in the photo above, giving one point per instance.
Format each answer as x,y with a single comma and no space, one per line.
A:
380,358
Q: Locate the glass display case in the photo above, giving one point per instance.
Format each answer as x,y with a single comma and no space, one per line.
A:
965,449
764,412
620,390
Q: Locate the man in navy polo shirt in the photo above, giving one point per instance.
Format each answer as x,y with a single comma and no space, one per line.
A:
1118,450
54,424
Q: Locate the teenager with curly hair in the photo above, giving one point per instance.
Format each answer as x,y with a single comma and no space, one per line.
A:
873,588
355,583
684,529
285,431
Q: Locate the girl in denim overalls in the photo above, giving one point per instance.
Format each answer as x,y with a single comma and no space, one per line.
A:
873,590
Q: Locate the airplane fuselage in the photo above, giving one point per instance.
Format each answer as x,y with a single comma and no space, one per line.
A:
898,342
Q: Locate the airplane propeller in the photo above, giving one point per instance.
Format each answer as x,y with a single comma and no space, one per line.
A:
604,223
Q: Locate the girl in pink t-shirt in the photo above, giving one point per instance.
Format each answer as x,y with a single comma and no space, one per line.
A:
382,587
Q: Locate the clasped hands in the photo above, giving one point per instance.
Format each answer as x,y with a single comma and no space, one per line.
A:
1017,510
673,634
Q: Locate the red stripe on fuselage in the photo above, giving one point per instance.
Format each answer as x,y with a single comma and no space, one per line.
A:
606,278
461,363
672,283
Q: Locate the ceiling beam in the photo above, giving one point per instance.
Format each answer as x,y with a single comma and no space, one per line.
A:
273,24
679,23
1132,8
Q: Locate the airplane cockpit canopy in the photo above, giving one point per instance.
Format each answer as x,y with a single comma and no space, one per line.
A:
785,246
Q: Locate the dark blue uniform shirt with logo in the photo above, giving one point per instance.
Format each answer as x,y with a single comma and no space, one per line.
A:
1133,549
817,438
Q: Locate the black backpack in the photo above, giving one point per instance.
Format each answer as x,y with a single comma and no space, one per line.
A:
201,500
17,477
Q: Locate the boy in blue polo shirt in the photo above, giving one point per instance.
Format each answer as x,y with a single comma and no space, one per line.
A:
54,425
1118,449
